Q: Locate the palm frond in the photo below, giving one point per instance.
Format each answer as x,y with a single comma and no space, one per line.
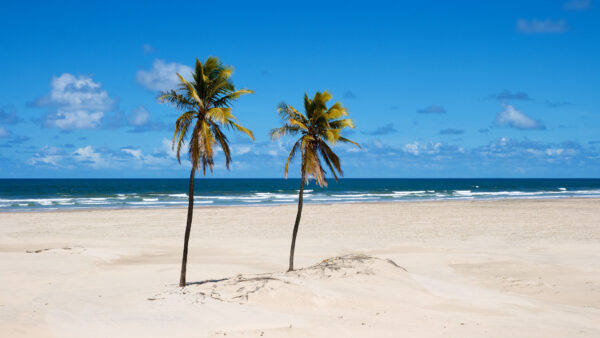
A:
341,124
291,156
206,100
191,91
343,139
226,100
239,128
172,97
331,158
320,127
219,115
284,130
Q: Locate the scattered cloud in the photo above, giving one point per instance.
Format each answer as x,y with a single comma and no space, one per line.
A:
432,110
89,156
577,5
349,95
148,49
76,102
79,119
501,156
547,26
141,121
383,130
104,158
507,148
47,156
136,153
8,115
507,95
417,148
162,75
161,156
451,131
513,118
139,116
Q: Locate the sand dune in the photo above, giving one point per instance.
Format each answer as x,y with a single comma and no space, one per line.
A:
432,269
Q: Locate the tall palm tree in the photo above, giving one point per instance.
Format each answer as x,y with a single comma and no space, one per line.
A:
205,101
318,127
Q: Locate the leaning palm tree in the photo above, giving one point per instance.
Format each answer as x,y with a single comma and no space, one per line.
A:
205,101
318,127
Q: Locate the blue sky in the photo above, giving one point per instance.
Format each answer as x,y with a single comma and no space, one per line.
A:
436,88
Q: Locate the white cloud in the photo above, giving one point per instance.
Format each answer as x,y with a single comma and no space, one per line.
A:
139,116
127,157
160,158
80,103
162,76
47,156
547,26
89,155
241,149
166,148
416,148
3,132
141,121
136,153
412,148
80,119
79,92
513,118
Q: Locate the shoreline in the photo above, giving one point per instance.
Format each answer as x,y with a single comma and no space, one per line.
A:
251,205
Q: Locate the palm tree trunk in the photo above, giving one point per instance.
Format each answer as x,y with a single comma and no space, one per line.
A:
188,228
295,233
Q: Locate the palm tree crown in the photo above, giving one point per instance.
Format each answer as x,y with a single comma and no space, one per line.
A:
206,99
318,126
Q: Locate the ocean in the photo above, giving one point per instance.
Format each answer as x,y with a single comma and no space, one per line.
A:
52,194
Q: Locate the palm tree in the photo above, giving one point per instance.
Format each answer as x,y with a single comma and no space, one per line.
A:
206,105
318,127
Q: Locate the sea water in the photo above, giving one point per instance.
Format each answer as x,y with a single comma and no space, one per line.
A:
49,194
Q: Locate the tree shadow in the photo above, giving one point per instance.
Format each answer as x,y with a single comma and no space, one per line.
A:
207,281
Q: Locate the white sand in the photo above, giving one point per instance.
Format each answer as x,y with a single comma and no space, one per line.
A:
518,268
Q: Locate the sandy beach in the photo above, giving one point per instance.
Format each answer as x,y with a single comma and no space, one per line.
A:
518,268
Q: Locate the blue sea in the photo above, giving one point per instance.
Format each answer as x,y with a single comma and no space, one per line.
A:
51,194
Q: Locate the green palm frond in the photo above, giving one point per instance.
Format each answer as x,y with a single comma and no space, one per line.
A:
343,139
206,100
291,156
285,130
319,127
180,101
